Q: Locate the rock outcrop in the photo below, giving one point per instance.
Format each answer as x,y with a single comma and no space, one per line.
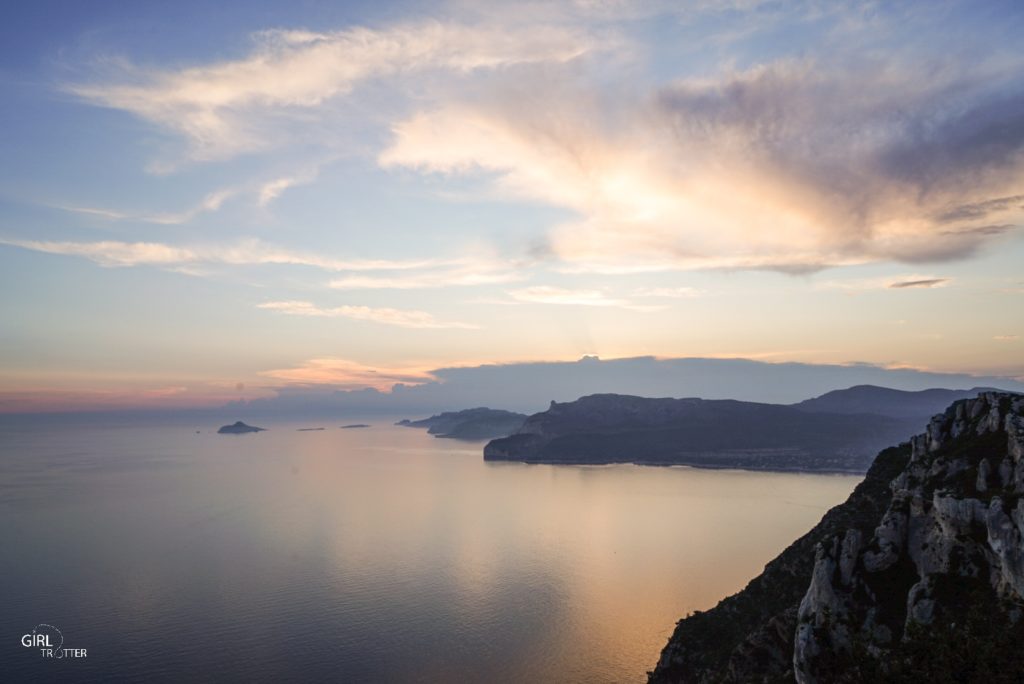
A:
922,580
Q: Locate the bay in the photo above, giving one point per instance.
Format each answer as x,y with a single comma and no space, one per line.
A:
374,554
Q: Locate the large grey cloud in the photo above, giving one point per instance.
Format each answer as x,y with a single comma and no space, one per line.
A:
908,161
530,386
791,165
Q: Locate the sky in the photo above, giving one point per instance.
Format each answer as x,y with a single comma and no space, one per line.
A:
207,202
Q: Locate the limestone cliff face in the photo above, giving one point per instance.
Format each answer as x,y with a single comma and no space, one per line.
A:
955,520
919,574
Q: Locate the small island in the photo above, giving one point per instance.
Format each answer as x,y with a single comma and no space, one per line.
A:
238,428
353,426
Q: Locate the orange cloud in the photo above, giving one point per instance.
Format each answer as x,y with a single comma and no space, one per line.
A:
752,169
350,374
399,317
224,108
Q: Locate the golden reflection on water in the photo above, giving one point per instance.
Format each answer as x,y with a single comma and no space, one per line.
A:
622,551
386,553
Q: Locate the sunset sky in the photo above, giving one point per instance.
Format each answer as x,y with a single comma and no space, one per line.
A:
204,201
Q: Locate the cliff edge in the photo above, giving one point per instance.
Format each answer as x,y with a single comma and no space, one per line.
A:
918,576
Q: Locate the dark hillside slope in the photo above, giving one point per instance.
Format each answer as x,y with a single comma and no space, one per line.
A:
613,428
899,404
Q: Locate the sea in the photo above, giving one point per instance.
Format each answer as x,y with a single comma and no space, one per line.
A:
147,551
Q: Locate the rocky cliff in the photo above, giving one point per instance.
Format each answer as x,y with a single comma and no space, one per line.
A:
918,576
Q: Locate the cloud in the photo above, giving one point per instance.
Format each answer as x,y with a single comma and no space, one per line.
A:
211,202
886,283
983,230
265,192
397,317
223,108
529,386
349,375
668,292
922,283
464,273
1006,338
981,210
794,165
122,397
246,252
113,253
273,189
168,391
545,294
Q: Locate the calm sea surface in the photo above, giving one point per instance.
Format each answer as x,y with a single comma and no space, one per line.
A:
378,554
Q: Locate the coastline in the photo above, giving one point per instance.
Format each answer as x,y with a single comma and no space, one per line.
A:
697,466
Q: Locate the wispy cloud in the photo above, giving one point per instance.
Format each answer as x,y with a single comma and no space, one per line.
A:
470,271
545,294
397,317
273,189
246,252
668,292
211,202
922,283
345,374
265,192
981,210
221,108
169,391
902,282
1006,338
113,253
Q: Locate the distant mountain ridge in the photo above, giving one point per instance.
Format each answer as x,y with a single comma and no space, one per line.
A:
903,404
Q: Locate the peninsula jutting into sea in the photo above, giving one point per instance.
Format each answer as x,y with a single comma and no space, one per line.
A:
840,431
563,341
